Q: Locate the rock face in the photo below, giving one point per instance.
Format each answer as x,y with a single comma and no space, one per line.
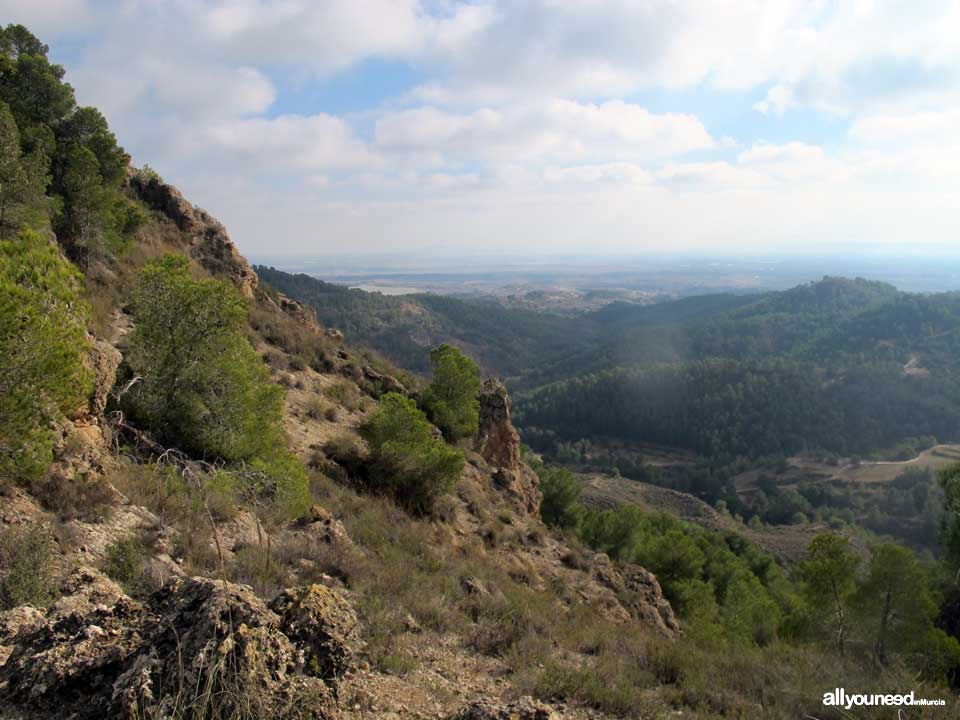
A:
80,441
638,591
96,653
647,602
498,442
209,243
104,359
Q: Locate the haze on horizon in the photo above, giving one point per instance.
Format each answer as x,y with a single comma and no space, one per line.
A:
605,127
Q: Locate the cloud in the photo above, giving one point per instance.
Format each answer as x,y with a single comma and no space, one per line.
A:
538,123
316,143
48,17
606,173
553,131
910,127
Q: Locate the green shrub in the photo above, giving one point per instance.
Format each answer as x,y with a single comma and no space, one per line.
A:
451,401
124,563
42,347
280,481
560,506
26,567
203,387
408,462
220,490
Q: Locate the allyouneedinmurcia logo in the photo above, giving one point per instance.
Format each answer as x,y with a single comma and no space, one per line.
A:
840,698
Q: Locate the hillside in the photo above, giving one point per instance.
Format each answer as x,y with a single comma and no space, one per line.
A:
214,506
505,341
848,367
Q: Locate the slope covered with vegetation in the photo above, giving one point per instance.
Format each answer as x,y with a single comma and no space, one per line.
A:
212,507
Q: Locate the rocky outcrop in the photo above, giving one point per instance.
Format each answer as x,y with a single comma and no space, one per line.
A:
208,241
498,443
97,653
303,314
80,441
525,708
383,382
103,361
638,591
645,599
322,624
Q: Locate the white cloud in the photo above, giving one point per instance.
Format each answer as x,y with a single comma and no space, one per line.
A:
312,144
552,131
614,172
533,123
47,17
910,127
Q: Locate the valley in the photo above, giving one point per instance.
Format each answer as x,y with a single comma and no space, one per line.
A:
645,490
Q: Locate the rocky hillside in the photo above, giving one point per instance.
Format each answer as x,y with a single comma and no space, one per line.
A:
216,507
240,615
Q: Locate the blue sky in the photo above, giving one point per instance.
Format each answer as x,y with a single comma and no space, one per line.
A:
535,126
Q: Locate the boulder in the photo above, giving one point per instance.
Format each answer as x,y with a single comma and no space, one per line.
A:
525,708
97,653
322,624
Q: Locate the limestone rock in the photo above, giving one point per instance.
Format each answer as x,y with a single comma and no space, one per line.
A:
648,602
209,243
385,383
498,441
323,526
525,708
300,312
321,622
96,653
638,591
103,361
521,484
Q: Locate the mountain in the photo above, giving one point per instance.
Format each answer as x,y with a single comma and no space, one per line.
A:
215,506
505,341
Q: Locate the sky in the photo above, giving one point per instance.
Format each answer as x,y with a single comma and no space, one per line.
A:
535,127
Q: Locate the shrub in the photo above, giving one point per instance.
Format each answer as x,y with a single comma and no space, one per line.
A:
315,408
297,339
26,567
124,563
408,462
203,387
72,498
220,493
451,401
346,394
160,488
278,481
42,347
560,506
